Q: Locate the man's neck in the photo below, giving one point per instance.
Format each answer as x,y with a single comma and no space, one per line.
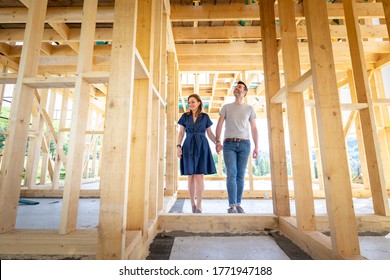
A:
239,100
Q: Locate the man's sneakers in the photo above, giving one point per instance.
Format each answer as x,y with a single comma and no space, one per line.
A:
231,210
237,210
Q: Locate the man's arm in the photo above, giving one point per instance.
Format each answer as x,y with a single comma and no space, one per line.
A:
255,137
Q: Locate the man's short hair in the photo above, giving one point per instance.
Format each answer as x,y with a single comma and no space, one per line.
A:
242,83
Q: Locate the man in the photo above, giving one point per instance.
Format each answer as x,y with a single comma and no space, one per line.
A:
236,145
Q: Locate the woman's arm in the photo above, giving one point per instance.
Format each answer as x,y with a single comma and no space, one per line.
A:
179,141
210,134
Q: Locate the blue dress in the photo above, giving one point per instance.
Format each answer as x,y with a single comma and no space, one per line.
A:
196,154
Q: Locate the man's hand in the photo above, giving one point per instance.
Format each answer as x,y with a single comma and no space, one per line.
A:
218,147
255,152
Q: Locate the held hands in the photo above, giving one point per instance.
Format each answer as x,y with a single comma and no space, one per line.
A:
218,147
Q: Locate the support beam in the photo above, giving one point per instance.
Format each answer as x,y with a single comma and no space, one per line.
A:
172,96
13,160
337,185
281,202
79,122
386,8
114,181
367,118
299,143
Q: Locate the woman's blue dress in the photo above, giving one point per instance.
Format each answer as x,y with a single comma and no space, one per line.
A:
196,154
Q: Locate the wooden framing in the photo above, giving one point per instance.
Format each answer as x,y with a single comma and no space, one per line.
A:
123,63
297,120
12,163
274,111
116,149
370,137
344,239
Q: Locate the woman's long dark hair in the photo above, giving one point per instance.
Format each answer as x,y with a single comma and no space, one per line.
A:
199,111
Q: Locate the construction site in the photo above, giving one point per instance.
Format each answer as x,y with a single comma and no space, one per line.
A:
91,94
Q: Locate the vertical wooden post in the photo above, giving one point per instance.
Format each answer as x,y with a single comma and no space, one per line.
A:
34,150
60,141
386,8
316,144
139,175
156,113
138,207
2,88
115,159
280,194
359,135
380,112
171,126
299,144
154,159
367,119
338,193
13,160
163,115
79,121
46,160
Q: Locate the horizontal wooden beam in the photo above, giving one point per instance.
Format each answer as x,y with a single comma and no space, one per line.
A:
216,223
254,32
236,48
50,82
49,242
302,83
251,12
186,13
365,223
315,243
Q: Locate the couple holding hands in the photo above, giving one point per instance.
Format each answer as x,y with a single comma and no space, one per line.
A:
195,155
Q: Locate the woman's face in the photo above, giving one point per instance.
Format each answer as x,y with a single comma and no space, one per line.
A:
193,104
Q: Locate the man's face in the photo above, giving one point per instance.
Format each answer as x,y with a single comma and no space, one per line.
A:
239,90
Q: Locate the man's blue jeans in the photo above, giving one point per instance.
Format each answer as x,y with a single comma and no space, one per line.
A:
236,156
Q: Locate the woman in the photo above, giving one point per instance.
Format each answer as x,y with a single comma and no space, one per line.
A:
196,159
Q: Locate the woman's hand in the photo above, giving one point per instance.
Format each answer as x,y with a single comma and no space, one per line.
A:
178,151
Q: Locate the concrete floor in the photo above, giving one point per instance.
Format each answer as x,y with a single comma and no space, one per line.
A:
227,248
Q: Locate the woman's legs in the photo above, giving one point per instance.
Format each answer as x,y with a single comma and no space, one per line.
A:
199,188
191,190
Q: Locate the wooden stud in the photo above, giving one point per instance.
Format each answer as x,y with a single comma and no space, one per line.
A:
337,185
380,112
12,162
171,168
139,175
73,171
299,144
115,160
386,9
367,119
60,141
277,148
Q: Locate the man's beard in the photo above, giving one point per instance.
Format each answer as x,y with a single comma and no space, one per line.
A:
238,95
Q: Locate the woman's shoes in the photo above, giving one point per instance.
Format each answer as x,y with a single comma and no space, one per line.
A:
194,210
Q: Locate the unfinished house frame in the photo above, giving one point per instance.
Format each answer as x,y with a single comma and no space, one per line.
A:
116,68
